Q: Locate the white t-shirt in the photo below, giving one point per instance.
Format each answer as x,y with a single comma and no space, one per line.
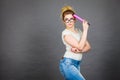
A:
68,52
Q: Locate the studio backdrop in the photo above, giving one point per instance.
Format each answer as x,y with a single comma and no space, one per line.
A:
31,44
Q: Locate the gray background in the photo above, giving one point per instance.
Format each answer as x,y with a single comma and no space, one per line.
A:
31,45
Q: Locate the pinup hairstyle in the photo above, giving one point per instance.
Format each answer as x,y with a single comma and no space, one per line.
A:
67,10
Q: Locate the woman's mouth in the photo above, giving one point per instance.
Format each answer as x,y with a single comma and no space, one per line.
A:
70,24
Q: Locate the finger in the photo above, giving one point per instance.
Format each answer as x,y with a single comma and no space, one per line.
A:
84,21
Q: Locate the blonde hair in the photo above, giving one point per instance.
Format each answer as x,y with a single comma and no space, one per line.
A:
68,10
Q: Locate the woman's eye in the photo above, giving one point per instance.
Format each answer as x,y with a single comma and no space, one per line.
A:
71,18
66,19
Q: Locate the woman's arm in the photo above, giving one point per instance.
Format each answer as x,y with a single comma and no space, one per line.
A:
85,49
78,44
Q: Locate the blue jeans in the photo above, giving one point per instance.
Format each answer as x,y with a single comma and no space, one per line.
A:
70,69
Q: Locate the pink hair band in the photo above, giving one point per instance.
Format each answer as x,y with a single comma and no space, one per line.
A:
79,18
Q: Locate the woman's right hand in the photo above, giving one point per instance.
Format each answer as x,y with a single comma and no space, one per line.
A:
75,50
85,25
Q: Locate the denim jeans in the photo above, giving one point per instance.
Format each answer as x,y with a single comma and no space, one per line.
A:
70,69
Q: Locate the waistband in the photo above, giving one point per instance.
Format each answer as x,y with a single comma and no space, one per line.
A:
64,59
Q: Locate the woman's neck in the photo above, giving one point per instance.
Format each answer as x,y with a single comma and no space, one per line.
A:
71,29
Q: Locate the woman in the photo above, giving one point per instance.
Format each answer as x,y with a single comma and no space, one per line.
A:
76,44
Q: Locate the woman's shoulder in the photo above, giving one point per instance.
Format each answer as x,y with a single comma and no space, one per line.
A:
65,31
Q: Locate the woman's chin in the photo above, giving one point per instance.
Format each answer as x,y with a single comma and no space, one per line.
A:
70,26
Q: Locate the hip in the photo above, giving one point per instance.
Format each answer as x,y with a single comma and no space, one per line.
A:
70,61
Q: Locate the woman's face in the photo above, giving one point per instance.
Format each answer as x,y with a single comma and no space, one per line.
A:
69,20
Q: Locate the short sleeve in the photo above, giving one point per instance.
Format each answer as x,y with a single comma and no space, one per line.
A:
65,32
